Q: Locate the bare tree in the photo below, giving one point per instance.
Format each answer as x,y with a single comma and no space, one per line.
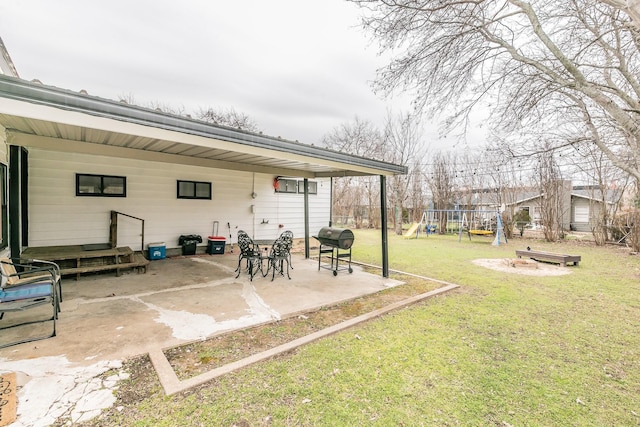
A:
633,221
416,196
630,7
403,142
224,117
567,64
130,99
127,98
356,197
359,137
505,177
555,197
228,117
348,194
606,191
470,179
441,180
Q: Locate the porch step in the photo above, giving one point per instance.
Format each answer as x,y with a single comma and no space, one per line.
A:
139,262
76,260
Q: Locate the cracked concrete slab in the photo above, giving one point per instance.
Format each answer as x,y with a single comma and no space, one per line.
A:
106,319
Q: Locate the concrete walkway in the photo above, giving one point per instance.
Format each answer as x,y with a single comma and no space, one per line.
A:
106,319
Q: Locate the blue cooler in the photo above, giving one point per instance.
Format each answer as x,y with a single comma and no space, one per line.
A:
157,251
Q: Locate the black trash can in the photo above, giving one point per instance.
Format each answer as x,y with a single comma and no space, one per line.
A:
189,242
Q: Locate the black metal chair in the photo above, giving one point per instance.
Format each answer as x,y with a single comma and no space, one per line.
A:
28,288
250,252
279,255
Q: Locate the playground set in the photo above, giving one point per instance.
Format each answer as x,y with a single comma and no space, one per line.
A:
456,221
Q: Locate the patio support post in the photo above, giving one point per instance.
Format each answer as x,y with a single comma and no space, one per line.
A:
330,201
383,225
306,218
15,244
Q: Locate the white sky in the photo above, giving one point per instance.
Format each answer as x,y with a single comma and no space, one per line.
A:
299,68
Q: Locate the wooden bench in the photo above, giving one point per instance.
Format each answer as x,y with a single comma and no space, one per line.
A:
76,260
561,259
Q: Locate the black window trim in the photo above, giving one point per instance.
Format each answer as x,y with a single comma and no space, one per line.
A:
101,193
195,184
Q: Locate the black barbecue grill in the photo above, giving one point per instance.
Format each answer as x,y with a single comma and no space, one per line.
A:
337,242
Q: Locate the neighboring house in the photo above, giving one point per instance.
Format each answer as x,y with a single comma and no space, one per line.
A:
72,158
587,205
579,210
479,200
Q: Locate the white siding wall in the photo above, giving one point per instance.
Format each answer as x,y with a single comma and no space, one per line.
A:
4,148
58,217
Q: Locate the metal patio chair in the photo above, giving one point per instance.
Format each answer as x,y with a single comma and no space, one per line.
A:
279,255
23,270
250,252
24,287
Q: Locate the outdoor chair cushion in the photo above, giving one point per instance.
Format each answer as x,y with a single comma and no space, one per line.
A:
33,271
23,297
33,290
31,287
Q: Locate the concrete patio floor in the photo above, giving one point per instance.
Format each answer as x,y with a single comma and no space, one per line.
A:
106,319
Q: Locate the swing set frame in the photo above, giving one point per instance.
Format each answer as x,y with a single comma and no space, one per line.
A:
459,221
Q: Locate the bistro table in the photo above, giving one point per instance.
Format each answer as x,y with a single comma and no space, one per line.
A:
264,246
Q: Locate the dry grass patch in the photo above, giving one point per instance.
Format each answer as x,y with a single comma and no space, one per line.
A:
196,358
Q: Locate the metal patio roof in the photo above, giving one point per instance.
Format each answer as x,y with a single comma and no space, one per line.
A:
47,117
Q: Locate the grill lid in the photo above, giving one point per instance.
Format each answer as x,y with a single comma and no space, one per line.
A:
338,237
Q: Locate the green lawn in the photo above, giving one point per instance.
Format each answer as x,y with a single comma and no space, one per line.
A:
505,349
524,350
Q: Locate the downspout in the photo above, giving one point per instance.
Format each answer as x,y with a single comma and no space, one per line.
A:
383,225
